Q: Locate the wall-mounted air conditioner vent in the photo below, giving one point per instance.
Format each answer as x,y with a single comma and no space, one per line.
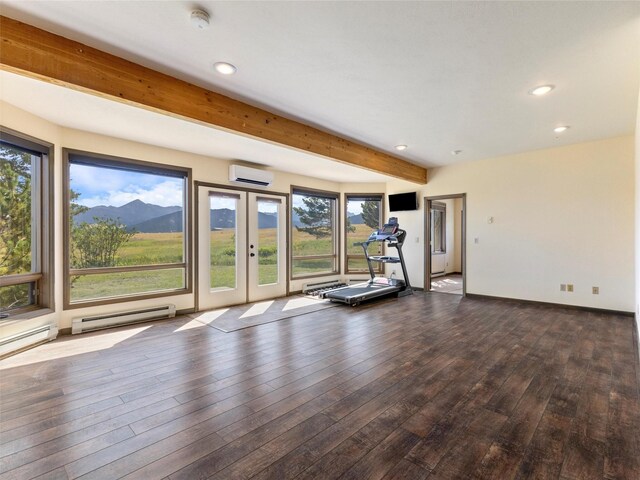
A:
251,176
97,322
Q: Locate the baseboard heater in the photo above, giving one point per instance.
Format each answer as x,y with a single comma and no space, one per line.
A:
25,339
98,322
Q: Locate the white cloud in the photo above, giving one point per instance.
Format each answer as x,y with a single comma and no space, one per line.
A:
167,193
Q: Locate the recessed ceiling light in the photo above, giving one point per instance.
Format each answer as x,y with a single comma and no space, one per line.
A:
400,147
541,90
456,152
200,19
224,68
560,129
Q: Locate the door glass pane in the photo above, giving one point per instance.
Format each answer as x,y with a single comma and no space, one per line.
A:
223,216
268,233
17,247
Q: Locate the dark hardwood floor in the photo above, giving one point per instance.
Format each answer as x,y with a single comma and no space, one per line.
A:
429,386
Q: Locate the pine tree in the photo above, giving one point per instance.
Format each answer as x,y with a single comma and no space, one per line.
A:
316,215
371,214
15,211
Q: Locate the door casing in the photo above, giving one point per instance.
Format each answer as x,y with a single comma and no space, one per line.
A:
427,236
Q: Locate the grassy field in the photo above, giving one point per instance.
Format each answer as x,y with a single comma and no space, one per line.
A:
154,248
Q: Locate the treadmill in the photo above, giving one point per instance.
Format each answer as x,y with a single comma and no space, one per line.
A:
394,237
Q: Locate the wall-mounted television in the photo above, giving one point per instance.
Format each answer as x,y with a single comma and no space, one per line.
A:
403,201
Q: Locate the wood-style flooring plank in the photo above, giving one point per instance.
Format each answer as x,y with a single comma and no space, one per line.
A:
431,386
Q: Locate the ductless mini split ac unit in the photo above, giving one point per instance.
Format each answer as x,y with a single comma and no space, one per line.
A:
251,176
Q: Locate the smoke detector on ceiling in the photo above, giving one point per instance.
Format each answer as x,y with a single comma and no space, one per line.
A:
200,19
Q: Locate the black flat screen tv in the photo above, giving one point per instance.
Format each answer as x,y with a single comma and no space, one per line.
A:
403,201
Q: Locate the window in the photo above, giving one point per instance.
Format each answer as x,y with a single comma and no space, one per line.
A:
363,214
25,224
438,227
126,231
314,233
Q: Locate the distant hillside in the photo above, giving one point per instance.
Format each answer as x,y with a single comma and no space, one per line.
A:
221,218
225,218
148,218
172,222
356,219
130,214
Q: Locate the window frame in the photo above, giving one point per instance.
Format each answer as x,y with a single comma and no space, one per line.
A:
110,161
379,267
43,276
312,192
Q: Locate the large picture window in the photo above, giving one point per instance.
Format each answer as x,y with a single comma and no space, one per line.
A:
363,214
25,226
126,230
314,233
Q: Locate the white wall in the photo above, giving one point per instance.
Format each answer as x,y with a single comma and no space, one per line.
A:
562,215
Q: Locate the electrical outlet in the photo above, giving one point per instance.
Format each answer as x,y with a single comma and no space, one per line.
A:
595,290
569,287
563,287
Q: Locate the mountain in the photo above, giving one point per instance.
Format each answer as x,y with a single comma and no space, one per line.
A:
356,219
130,214
221,218
148,218
225,218
172,222
295,219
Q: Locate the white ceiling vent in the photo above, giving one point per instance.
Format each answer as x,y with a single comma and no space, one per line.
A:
251,176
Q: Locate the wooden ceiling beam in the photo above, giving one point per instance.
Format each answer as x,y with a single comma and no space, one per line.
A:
36,53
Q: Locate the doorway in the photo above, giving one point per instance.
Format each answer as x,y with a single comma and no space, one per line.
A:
445,255
242,246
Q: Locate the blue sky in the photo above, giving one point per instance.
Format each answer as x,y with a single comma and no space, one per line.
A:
104,186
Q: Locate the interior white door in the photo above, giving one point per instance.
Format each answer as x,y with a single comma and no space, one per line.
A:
267,217
242,249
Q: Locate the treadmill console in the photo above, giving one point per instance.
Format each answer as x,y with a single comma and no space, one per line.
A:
387,231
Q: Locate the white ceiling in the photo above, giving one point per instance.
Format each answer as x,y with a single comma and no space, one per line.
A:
438,76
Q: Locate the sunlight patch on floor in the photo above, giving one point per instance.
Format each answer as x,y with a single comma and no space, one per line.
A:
208,317
299,303
257,309
190,325
70,346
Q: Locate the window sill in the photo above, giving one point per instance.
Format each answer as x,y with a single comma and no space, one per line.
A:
316,275
25,315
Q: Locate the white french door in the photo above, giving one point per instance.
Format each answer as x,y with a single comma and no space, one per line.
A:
241,247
